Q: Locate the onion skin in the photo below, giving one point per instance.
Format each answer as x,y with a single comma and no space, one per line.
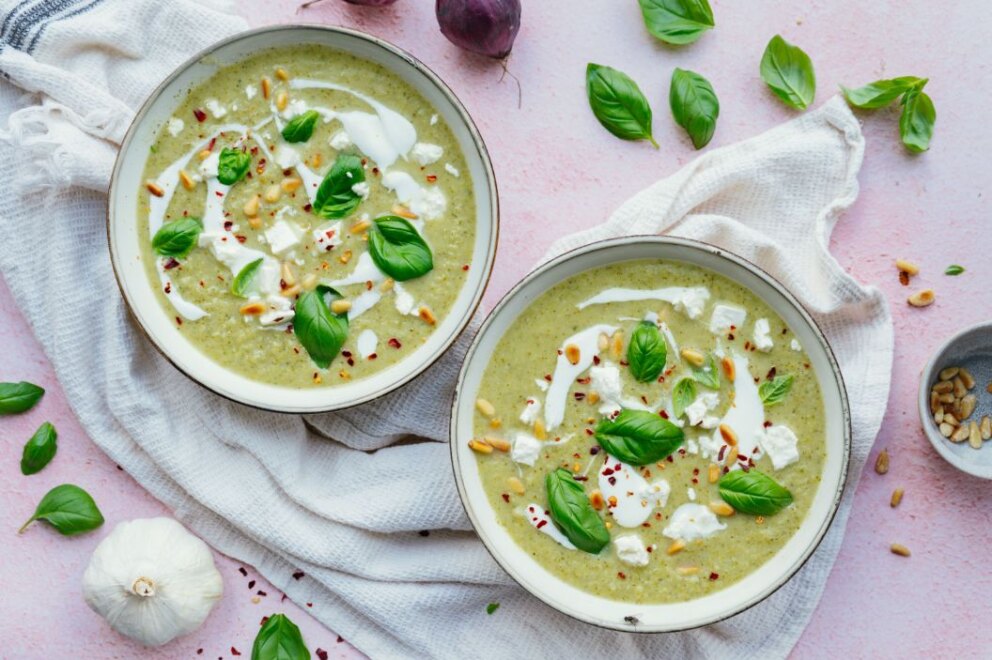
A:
486,27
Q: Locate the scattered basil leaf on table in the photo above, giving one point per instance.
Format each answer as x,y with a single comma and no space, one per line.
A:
954,269
677,21
335,197
243,280
39,450
571,511
707,374
321,331
881,92
279,639
683,394
232,166
774,390
492,607
694,106
754,492
18,397
618,103
638,437
69,509
177,238
398,249
646,352
788,71
917,120
300,128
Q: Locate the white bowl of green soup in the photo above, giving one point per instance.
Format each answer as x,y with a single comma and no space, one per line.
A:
650,434
302,218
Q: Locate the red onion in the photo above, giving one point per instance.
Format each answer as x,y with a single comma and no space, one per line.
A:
486,27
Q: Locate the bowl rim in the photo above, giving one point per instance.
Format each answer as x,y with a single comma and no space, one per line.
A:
422,365
692,244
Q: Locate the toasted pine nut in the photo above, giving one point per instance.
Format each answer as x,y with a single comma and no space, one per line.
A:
345,257
572,354
315,160
286,272
426,315
340,306
728,435
596,500
387,284
495,423
253,308
922,298
272,194
966,378
291,292
480,447
974,435
539,431
282,100
907,267
687,570
946,430
344,375
516,485
403,212
959,389
251,207
896,497
616,345
968,404
291,184
498,443
944,386
899,549
938,415
360,226
266,88
602,342
154,188
985,428
721,508
946,398
949,418
255,223
309,282
485,407
282,74
961,434
693,357
882,462
729,370
593,398
714,473
988,388
317,380
676,546
186,180
759,520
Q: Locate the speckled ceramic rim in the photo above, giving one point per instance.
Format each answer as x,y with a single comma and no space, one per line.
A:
929,375
600,611
414,364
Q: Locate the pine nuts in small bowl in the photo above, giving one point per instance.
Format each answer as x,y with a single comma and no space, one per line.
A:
955,400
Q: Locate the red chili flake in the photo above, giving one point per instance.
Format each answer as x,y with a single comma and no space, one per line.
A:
179,321
607,471
243,571
346,354
321,654
682,451
506,497
695,470
589,432
465,267
726,470
664,414
170,263
670,459
372,356
613,481
235,651
730,336
298,574
289,330
560,352
624,363
646,524
263,621
200,115
661,379
584,381
767,424
579,396
747,345
714,576
695,480
308,208
351,362
650,548
394,342
431,178
228,224
213,143
542,524
806,364
721,454
251,584
903,278
771,373
595,359
241,239
621,575
287,172
579,477
547,377
594,450
168,287
368,285
218,193
375,171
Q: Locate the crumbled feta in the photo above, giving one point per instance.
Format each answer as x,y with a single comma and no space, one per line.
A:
361,189
605,381
690,492
542,384
795,345
327,236
367,342
696,411
282,235
426,154
286,156
531,411
692,521
692,301
780,443
525,448
692,446
762,336
208,167
725,318
404,302
452,170
215,108
340,140
430,204
176,126
251,91
294,108
630,550
433,119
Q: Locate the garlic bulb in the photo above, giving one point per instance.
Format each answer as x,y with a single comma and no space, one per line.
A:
152,580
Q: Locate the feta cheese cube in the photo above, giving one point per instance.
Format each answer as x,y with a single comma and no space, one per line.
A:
630,550
282,236
726,317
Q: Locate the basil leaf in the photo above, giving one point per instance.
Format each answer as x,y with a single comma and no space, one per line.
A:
754,492
335,197
774,390
244,278
232,166
279,639
646,352
18,397
694,105
638,437
954,269
40,449
571,511
300,128
707,374
69,509
881,92
321,331
618,103
683,394
677,21
492,607
398,249
177,238
917,120
788,71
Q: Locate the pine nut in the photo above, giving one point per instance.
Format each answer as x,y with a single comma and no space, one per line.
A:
616,345
676,547
949,418
896,497
959,389
988,388
974,435
934,400
714,473
729,370
596,500
291,184
922,298
946,398
948,373
251,207
728,435
944,386
572,354
387,284
286,272
485,407
480,447
898,549
266,88
693,357
968,404
203,155
403,212
985,428
539,431
309,282
282,74
516,485
494,423
186,180
255,223
345,257
272,194
966,378
961,434
291,292
687,570
360,226
340,306
426,315
498,443
938,415
882,462
907,267
315,160
154,189
946,430
282,100
721,508
253,309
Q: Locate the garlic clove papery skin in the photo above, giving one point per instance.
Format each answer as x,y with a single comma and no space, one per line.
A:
152,580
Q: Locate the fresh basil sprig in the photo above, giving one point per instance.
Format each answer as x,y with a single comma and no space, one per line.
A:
243,280
683,394
646,352
279,639
881,92
69,509
917,120
177,238
40,449
335,197
300,128
788,71
694,106
618,103
232,166
572,512
677,21
774,390
707,374
321,331
398,249
638,437
754,492
19,397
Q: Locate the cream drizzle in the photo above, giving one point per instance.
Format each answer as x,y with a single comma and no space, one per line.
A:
688,299
565,372
540,519
636,499
746,416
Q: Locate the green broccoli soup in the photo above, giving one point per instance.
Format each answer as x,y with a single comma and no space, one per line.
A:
649,431
309,217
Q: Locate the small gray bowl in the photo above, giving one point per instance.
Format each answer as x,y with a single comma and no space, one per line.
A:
972,349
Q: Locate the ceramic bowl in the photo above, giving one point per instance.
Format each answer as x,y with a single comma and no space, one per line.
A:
651,617
972,349
126,184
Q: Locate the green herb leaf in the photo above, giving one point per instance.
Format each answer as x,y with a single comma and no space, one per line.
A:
707,375
774,390
18,397
177,238
300,128
243,280
647,352
754,492
618,103
917,120
69,509
954,269
881,92
788,71
279,639
694,106
398,249
571,511
638,437
232,166
40,449
677,21
321,331
683,394
492,607
335,197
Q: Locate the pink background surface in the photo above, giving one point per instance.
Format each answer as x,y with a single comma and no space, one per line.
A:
558,171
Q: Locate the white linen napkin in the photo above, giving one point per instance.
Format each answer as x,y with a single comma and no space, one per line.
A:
272,490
